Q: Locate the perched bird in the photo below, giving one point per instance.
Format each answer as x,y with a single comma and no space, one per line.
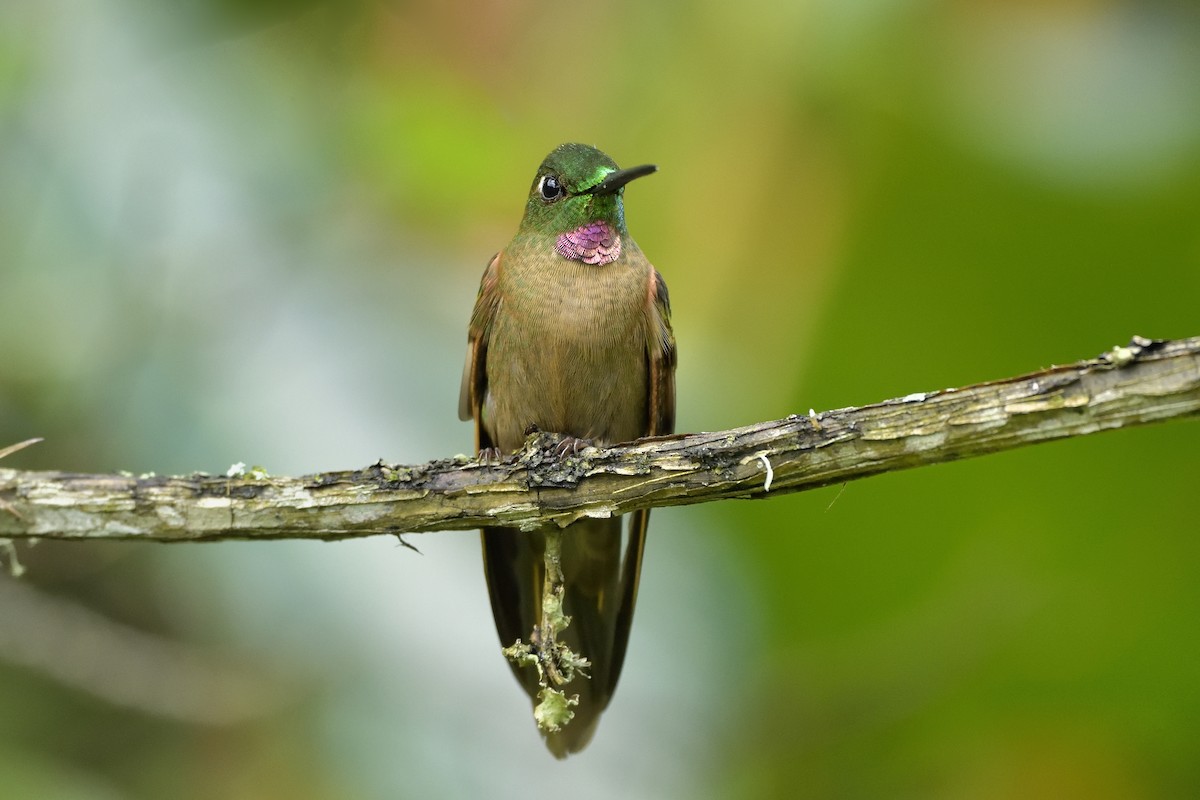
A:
571,334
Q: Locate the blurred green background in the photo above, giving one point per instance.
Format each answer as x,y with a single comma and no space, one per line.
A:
252,231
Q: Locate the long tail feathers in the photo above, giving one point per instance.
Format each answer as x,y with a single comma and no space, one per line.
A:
601,569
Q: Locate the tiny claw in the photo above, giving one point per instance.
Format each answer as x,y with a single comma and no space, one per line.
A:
490,455
571,446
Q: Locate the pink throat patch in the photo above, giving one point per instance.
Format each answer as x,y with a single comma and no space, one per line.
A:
595,243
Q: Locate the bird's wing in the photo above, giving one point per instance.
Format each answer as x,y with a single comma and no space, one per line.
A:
660,358
474,379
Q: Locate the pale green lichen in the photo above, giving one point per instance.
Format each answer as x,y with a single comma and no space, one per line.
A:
396,474
521,654
239,470
1120,356
566,663
553,618
555,663
554,709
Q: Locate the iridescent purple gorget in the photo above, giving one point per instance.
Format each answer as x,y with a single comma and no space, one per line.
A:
595,243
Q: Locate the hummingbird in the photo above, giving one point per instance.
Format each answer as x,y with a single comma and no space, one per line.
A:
571,334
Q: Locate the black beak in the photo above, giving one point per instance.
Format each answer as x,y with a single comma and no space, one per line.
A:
613,183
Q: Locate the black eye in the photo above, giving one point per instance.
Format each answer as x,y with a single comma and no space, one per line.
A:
550,188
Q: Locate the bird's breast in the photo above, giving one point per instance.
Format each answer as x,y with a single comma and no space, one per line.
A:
567,352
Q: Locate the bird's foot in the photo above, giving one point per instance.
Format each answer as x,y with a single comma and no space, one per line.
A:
573,446
490,456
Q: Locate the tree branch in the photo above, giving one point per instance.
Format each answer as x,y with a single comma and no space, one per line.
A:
1148,381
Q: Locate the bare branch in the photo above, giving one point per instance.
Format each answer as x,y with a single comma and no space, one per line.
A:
1148,381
